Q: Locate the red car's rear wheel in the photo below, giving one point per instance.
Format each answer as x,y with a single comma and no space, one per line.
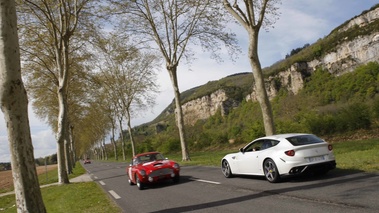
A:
140,185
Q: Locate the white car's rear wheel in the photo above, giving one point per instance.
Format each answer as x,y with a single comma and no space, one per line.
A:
225,168
271,171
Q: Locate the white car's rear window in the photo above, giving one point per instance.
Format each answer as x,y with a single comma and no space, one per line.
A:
304,140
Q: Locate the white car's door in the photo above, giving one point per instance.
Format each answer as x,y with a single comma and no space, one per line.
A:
248,160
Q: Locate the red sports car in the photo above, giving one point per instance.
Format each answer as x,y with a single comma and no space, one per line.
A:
151,167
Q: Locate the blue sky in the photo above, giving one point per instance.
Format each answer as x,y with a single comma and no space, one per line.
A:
300,22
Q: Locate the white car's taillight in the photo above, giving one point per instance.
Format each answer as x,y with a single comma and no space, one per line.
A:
330,147
290,153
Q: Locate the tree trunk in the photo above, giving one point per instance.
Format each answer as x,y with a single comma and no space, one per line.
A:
72,146
68,155
122,141
105,150
130,133
61,155
14,104
113,141
63,112
178,112
268,118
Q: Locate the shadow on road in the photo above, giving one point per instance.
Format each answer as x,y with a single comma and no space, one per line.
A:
343,174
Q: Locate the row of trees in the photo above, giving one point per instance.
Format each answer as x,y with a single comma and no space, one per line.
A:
85,81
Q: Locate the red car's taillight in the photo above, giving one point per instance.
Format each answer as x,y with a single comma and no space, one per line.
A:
290,153
330,147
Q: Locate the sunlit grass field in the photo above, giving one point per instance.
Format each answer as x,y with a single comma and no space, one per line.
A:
359,155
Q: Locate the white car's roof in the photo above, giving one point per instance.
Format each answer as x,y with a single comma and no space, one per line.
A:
281,136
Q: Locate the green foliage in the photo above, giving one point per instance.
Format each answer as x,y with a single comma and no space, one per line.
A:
169,146
286,126
146,146
319,124
360,85
355,116
375,109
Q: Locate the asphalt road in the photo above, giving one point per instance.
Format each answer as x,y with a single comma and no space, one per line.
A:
205,189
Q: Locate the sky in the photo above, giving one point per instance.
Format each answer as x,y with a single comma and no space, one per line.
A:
300,22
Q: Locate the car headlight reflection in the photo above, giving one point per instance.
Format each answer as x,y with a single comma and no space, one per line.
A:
142,172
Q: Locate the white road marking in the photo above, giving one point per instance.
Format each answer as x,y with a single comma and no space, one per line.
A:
95,177
114,194
205,181
102,183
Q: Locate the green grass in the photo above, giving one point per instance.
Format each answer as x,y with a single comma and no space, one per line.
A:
74,197
359,155
52,176
77,197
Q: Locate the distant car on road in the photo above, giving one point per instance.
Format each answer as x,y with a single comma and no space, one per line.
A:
151,167
278,155
87,161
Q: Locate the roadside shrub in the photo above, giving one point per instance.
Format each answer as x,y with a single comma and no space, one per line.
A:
320,124
354,117
289,126
145,146
252,131
234,131
375,109
169,146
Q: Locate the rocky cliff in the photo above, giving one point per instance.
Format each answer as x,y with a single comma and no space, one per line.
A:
345,57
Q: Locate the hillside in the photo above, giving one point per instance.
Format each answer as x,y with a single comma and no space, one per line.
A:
354,43
317,89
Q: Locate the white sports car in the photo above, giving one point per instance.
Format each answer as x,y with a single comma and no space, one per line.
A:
278,155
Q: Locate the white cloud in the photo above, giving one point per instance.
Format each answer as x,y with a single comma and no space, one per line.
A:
43,138
44,143
4,149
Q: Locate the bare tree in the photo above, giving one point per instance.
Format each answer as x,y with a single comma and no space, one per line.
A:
53,25
14,105
252,16
172,26
128,79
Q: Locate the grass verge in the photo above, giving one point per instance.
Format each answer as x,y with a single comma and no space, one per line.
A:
73,197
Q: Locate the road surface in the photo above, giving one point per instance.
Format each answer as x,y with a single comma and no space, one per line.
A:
205,189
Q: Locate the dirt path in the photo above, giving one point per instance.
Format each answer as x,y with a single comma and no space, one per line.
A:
6,179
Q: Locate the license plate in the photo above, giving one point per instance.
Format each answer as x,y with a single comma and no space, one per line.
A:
315,159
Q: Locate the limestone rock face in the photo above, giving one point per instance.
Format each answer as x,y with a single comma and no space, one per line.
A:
346,57
362,20
206,106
